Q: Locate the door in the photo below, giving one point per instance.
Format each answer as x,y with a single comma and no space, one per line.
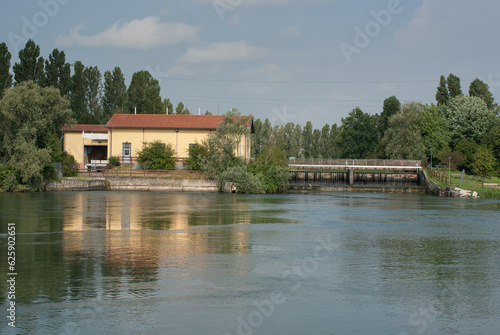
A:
127,152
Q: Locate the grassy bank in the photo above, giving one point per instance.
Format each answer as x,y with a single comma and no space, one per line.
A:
473,183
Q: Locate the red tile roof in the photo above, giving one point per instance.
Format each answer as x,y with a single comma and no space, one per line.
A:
96,128
165,121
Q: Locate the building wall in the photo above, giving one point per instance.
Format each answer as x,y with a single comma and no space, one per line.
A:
74,144
137,137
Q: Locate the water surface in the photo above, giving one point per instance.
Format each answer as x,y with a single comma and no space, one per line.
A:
302,263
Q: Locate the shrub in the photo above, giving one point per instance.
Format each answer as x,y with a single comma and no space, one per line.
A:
274,178
114,161
197,151
246,181
9,178
157,156
69,165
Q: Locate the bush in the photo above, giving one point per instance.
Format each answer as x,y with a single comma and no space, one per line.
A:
69,165
114,161
246,181
196,152
157,156
274,178
9,178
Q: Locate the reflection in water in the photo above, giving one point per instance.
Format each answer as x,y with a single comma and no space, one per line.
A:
145,262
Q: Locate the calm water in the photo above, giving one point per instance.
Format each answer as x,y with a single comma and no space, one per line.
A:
316,263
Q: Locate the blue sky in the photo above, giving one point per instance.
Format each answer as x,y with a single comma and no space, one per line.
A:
286,60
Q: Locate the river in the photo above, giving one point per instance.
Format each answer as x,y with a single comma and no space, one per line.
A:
301,263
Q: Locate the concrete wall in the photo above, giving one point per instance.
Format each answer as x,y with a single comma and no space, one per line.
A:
70,184
162,184
430,186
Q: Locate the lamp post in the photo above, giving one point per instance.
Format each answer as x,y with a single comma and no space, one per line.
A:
449,169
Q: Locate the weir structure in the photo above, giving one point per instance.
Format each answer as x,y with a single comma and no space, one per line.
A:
355,173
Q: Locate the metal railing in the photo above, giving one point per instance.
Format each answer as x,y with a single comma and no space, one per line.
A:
354,162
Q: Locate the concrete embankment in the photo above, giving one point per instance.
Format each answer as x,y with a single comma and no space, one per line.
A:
76,184
133,183
162,184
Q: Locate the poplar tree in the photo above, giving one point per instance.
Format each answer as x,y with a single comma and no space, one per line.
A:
442,95
58,72
454,89
30,66
115,93
5,75
480,89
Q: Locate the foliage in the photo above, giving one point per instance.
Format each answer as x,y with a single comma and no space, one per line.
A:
144,94
114,161
457,158
442,95
403,137
468,117
246,181
5,75
468,149
358,135
115,93
271,154
157,156
454,88
222,145
58,72
78,92
30,66
484,162
31,117
69,165
274,178
9,178
480,89
197,152
434,130
391,107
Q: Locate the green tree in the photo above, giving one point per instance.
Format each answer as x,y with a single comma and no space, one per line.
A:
168,107
358,136
403,137
442,95
93,95
30,117
78,92
58,72
333,150
468,117
484,162
180,109
480,89
157,156
30,66
144,94
258,141
307,140
468,148
115,93
222,145
5,75
392,106
316,137
454,88
434,130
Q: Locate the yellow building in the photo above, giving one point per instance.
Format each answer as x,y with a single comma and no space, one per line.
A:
126,134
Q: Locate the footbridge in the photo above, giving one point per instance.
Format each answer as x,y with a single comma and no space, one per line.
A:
404,174
356,164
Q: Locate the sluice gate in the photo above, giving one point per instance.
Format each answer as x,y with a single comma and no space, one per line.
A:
352,178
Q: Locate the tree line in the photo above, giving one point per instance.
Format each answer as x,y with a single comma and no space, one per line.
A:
463,127
93,98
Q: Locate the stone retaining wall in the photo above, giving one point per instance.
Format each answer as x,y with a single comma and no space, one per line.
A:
72,184
162,184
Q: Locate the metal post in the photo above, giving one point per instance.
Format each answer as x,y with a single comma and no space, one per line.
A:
449,169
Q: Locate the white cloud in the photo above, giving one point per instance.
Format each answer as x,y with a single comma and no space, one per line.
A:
224,52
148,33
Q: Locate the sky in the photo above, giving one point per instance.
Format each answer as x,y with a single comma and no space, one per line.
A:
285,60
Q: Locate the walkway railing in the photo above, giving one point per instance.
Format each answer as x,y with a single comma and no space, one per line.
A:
320,163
